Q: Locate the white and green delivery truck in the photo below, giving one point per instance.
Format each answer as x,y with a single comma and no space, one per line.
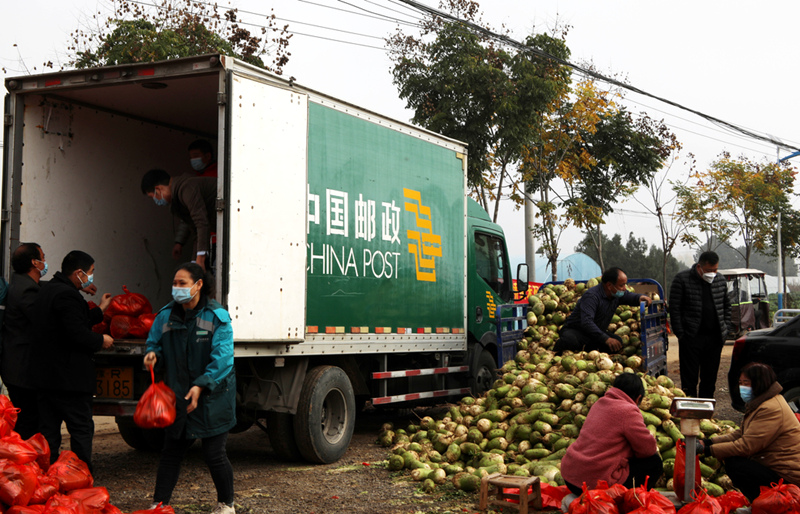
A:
354,266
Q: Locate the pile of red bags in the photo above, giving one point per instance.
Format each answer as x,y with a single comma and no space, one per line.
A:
703,503
617,499
129,316
29,484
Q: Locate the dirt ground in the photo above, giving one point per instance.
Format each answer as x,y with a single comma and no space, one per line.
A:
358,483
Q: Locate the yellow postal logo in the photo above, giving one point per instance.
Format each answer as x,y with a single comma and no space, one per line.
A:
423,243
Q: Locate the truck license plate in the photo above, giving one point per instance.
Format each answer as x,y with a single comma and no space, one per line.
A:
115,383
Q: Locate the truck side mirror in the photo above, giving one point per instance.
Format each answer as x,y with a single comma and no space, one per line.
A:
522,283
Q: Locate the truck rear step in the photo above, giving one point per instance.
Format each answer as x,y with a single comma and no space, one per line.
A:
386,375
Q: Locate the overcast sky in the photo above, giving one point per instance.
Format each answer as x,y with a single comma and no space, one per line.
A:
732,60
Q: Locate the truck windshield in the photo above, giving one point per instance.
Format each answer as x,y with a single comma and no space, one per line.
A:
490,263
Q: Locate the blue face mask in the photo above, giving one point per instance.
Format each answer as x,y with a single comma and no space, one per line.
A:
159,201
746,392
182,294
197,163
619,294
43,271
89,280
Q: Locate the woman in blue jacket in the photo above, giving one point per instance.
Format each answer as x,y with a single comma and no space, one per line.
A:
192,341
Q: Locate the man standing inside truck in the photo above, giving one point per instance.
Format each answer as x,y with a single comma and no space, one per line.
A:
192,201
62,360
700,316
585,327
29,266
201,158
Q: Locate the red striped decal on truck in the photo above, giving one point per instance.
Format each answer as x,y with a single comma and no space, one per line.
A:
380,375
417,396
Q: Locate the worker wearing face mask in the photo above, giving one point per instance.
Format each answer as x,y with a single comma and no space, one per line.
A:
201,158
700,315
585,327
192,201
29,266
62,355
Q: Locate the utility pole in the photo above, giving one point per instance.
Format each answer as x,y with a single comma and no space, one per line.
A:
530,244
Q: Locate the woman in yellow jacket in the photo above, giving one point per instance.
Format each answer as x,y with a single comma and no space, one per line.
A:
767,446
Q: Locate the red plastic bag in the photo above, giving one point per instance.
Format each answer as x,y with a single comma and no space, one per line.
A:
120,326
100,328
17,482
39,443
156,407
161,509
63,504
731,501
616,492
29,509
679,477
71,472
46,488
780,498
8,415
551,494
13,448
128,304
702,504
111,509
141,326
596,501
641,500
93,498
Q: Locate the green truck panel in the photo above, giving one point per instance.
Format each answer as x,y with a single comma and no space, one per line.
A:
385,227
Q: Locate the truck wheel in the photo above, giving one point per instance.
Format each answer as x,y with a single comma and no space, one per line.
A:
280,428
326,415
484,374
138,438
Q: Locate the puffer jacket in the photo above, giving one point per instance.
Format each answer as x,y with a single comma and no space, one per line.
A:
770,435
686,303
197,351
613,434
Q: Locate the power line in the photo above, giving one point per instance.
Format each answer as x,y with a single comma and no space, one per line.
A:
409,4
726,132
590,73
294,32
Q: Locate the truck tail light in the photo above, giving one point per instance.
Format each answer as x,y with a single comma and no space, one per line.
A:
738,348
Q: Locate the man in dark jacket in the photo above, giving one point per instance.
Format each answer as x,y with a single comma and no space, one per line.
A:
29,266
63,356
700,316
585,327
192,201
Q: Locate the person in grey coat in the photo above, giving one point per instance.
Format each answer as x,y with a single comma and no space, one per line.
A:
700,316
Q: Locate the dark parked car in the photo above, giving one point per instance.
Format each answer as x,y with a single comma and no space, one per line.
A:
780,348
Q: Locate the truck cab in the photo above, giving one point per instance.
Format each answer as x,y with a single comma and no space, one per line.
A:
489,286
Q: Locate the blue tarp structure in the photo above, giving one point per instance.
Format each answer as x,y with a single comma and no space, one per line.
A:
577,266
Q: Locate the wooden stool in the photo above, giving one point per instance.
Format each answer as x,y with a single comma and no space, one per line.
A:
506,482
